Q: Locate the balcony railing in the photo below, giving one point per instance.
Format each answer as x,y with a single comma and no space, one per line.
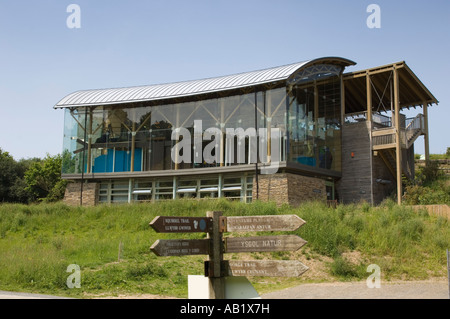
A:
386,137
377,118
383,132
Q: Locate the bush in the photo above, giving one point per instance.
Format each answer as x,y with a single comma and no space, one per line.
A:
344,269
439,193
428,173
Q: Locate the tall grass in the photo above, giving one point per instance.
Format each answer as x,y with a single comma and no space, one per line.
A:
38,242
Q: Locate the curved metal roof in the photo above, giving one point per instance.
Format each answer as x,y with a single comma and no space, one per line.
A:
189,88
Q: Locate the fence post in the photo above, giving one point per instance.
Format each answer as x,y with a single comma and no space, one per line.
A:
448,272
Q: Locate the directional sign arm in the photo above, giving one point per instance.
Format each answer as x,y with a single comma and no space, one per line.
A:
262,223
179,224
269,268
180,247
266,268
263,243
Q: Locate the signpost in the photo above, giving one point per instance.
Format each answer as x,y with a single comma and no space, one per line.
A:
214,224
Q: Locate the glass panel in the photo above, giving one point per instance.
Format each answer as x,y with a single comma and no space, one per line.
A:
119,192
329,142
164,189
301,126
239,127
73,141
162,122
314,124
141,117
276,119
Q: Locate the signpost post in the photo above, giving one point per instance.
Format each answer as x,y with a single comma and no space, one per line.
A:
214,224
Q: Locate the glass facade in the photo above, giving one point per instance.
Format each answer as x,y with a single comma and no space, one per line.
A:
208,133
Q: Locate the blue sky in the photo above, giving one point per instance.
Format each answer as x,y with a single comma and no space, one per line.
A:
137,42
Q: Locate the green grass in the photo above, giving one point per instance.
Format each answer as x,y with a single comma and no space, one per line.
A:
39,242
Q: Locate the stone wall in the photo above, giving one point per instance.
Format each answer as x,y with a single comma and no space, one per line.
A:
289,188
272,188
303,189
72,194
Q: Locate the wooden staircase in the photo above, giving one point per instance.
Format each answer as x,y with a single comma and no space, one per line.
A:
389,158
384,141
414,129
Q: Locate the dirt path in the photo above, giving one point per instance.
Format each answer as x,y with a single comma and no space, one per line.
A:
433,289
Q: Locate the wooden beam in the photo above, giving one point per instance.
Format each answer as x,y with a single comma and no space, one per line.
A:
342,101
398,149
376,70
383,146
427,138
381,132
369,98
369,121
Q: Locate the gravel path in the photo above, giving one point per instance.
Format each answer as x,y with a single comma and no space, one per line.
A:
359,290
338,290
23,295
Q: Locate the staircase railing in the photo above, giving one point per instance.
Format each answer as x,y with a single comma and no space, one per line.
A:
384,137
414,128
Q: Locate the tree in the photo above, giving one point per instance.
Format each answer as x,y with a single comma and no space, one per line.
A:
43,179
8,175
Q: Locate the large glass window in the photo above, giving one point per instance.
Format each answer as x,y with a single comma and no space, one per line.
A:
314,121
216,132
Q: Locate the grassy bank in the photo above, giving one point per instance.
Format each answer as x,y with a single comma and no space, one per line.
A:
39,242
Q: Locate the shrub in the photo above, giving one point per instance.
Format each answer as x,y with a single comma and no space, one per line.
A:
344,269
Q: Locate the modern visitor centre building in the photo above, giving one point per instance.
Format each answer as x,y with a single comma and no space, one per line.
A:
289,134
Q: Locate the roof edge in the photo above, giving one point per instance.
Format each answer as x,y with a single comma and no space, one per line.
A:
280,73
